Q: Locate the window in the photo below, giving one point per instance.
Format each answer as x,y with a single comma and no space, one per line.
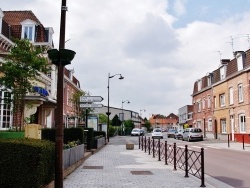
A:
209,102
242,123
223,126
209,125
203,103
222,100
199,124
215,104
223,72
5,112
190,116
231,95
199,84
240,93
28,29
199,106
239,61
209,80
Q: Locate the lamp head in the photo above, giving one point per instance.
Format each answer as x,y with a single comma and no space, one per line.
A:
121,77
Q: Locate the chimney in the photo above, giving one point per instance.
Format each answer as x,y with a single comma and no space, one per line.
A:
224,61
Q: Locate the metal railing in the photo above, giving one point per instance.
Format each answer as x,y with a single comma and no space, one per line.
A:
190,161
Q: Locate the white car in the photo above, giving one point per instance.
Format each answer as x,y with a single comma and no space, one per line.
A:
190,134
137,132
157,133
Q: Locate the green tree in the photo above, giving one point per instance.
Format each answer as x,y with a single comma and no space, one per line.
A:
103,119
76,101
129,125
147,124
116,121
19,71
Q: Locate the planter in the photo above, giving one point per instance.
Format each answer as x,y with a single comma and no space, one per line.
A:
99,143
72,155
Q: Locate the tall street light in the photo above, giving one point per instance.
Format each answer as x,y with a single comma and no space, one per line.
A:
108,113
60,58
123,115
141,115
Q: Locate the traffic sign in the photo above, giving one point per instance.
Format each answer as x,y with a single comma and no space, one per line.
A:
91,99
91,105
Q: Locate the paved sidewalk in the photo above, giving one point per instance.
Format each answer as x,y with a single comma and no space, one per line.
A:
115,167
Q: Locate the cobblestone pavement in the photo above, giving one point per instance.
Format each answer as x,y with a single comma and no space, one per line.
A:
115,167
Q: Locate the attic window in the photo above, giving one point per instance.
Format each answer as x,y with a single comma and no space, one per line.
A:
199,84
28,30
240,61
223,72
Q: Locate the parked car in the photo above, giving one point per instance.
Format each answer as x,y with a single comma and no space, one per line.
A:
137,132
157,133
171,133
191,134
141,132
179,134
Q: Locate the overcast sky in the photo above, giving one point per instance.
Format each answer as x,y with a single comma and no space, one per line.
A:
161,47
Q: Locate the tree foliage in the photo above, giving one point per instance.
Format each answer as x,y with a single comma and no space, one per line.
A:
103,119
19,70
116,121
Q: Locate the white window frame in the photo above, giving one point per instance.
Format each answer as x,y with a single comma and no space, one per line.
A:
198,124
199,106
231,96
222,100
209,80
239,61
199,84
6,117
209,101
31,25
203,103
223,72
242,123
223,126
240,93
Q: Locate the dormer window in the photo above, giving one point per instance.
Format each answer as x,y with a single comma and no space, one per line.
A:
223,72
28,30
1,19
199,84
240,60
48,34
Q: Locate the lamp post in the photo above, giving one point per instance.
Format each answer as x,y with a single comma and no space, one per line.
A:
108,113
141,115
123,116
60,58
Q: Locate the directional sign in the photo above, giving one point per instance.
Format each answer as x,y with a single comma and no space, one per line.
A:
91,99
91,105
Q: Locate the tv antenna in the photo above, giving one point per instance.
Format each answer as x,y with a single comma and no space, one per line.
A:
248,38
219,52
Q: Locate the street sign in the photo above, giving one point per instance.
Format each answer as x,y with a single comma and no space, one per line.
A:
91,105
91,99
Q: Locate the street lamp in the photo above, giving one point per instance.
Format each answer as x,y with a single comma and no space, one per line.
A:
108,113
60,58
141,115
123,115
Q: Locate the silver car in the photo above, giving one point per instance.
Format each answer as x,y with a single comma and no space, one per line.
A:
191,134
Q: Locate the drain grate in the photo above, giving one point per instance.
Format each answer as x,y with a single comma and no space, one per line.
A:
141,173
92,167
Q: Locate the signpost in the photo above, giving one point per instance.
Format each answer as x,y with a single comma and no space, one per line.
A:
91,99
84,105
